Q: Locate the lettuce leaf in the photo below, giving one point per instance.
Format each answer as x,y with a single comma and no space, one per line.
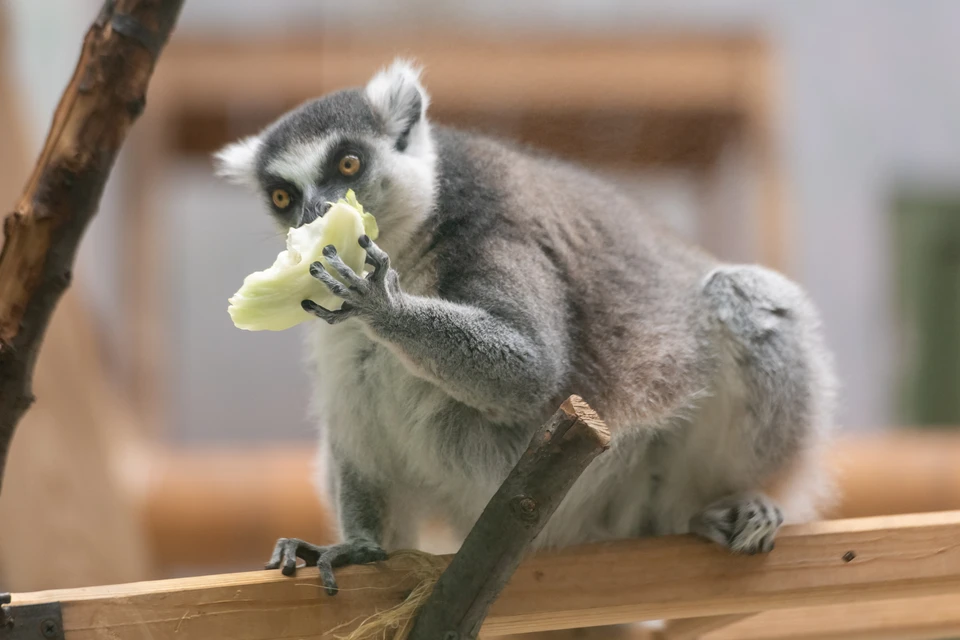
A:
270,300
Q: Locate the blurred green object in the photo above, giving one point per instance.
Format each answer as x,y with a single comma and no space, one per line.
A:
927,246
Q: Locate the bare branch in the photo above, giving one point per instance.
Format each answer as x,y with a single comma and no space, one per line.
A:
101,102
556,457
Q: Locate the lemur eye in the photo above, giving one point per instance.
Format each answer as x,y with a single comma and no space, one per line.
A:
349,165
281,198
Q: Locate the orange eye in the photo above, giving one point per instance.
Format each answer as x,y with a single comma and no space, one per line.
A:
349,165
281,198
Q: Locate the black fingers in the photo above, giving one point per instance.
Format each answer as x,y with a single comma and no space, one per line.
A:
344,554
286,552
318,272
376,257
325,565
338,265
277,557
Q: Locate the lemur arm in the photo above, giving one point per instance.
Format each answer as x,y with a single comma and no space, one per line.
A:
491,355
480,359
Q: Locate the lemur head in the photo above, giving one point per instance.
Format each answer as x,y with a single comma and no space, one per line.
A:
374,140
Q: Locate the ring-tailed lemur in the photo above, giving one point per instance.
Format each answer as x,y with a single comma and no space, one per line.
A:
522,280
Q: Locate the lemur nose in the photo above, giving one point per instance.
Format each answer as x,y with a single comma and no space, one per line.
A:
312,211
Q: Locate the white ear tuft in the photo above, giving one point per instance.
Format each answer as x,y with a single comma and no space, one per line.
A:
397,96
237,162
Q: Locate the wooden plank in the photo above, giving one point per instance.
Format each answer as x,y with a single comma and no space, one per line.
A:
839,562
904,471
529,72
928,618
67,515
618,632
634,139
697,628
14,158
223,508
146,355
681,577
772,216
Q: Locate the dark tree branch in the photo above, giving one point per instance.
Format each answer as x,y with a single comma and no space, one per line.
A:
104,98
557,455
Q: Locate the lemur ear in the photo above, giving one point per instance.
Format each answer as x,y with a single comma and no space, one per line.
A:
237,162
397,96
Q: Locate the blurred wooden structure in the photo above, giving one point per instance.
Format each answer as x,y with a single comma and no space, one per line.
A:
896,577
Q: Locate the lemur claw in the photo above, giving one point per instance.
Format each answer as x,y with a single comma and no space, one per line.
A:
326,558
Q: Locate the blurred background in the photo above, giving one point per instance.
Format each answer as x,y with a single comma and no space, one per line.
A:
817,137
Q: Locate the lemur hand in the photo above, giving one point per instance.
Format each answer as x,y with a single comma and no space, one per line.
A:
362,297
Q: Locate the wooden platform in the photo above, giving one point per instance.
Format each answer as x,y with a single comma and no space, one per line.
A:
896,577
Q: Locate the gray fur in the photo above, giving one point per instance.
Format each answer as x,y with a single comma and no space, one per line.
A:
516,280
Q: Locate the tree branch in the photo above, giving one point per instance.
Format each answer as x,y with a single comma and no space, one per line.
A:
101,102
556,457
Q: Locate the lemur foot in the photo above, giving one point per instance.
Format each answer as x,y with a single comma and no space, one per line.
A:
744,523
326,558
361,296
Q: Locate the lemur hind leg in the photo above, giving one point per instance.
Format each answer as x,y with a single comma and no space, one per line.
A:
775,360
744,523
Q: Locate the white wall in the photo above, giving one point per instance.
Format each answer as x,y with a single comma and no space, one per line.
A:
873,97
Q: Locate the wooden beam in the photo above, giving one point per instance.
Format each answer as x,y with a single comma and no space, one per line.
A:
617,632
67,497
927,618
146,353
528,72
828,563
902,471
14,160
696,628
557,455
634,138
773,220
223,509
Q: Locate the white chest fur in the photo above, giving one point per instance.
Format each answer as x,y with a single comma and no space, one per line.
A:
382,419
